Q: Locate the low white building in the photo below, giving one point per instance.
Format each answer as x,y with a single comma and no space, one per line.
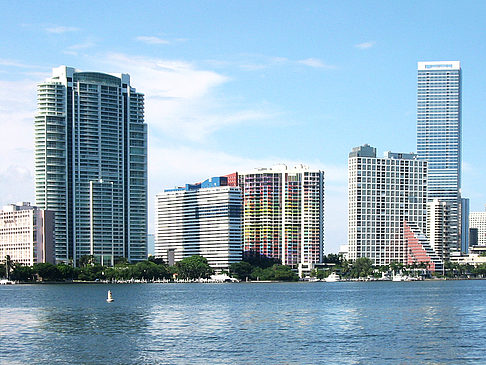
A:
26,234
476,256
478,220
202,219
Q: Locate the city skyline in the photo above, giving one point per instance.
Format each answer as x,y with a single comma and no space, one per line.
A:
229,88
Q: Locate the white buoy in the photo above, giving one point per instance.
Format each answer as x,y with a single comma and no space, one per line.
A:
110,298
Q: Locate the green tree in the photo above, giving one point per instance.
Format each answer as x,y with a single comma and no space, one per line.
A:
157,260
362,267
332,258
66,272
21,273
282,273
149,270
9,265
91,272
258,274
241,270
193,267
121,261
47,271
86,260
256,259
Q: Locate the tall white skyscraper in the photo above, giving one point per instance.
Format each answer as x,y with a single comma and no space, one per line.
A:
439,136
385,194
91,164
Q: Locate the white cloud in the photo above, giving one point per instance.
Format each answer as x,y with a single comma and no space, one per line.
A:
17,105
315,62
59,29
12,63
365,45
84,45
152,40
182,100
73,50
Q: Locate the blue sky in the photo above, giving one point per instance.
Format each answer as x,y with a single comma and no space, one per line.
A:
232,85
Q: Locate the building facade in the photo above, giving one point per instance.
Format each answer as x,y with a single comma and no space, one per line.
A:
384,193
26,234
464,225
439,136
283,214
91,164
477,220
419,249
438,217
201,219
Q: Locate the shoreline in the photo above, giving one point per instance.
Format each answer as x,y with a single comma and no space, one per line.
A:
79,282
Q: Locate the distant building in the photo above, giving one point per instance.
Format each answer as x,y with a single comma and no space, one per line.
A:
473,237
438,216
478,220
476,256
464,225
91,164
419,249
232,179
26,234
344,251
200,219
439,136
384,194
283,214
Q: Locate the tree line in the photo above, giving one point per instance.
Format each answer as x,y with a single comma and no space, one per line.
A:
259,267
252,267
363,267
190,268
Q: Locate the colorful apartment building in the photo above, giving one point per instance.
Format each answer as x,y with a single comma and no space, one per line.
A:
283,214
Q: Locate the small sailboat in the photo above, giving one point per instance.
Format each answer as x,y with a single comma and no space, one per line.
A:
110,298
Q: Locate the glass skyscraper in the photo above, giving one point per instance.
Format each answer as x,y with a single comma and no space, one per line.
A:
91,164
439,136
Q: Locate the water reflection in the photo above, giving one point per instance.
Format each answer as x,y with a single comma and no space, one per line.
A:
345,323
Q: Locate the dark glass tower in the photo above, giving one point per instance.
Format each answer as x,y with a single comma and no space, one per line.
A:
439,136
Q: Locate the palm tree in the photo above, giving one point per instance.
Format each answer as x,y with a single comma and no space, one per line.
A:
8,266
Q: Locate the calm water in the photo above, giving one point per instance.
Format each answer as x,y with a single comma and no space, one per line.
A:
297,323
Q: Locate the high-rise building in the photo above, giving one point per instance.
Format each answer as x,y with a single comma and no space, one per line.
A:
419,249
439,136
384,194
26,234
283,214
464,225
438,216
91,164
477,220
200,219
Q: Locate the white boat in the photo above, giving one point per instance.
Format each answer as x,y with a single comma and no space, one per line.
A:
110,298
6,282
333,278
400,277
